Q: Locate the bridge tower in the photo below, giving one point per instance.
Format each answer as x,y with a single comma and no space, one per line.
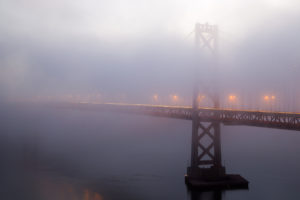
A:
206,169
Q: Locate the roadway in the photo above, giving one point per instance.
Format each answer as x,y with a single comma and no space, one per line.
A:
279,120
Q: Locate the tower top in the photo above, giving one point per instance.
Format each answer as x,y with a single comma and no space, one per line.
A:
206,28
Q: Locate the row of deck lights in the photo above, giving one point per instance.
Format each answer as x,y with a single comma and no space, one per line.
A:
231,98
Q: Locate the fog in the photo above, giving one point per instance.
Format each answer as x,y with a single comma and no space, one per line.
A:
135,49
127,51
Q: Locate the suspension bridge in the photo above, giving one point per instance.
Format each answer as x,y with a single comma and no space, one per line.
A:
206,170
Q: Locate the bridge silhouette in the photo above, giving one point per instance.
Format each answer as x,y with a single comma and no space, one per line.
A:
268,119
206,170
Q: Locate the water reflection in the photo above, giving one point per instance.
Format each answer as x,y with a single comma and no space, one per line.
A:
47,183
205,195
40,182
62,188
64,150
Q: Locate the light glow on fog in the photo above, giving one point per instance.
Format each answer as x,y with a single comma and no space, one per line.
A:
117,19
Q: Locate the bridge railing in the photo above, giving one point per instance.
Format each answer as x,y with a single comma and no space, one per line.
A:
279,120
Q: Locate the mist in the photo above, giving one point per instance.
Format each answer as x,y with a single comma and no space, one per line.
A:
75,48
142,52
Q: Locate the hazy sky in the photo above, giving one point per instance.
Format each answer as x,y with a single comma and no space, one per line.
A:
129,50
117,19
142,47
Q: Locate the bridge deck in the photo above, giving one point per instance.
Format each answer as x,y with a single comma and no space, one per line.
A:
279,120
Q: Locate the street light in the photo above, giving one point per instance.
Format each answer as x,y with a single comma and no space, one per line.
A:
273,102
174,98
266,98
200,98
155,98
232,100
269,99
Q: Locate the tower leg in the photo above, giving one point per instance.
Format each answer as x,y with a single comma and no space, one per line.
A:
206,170
206,152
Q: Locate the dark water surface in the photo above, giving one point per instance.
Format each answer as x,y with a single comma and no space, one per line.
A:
49,153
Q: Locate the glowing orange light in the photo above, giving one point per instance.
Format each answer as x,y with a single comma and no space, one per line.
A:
232,97
266,98
97,196
175,97
86,194
273,97
200,98
155,97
